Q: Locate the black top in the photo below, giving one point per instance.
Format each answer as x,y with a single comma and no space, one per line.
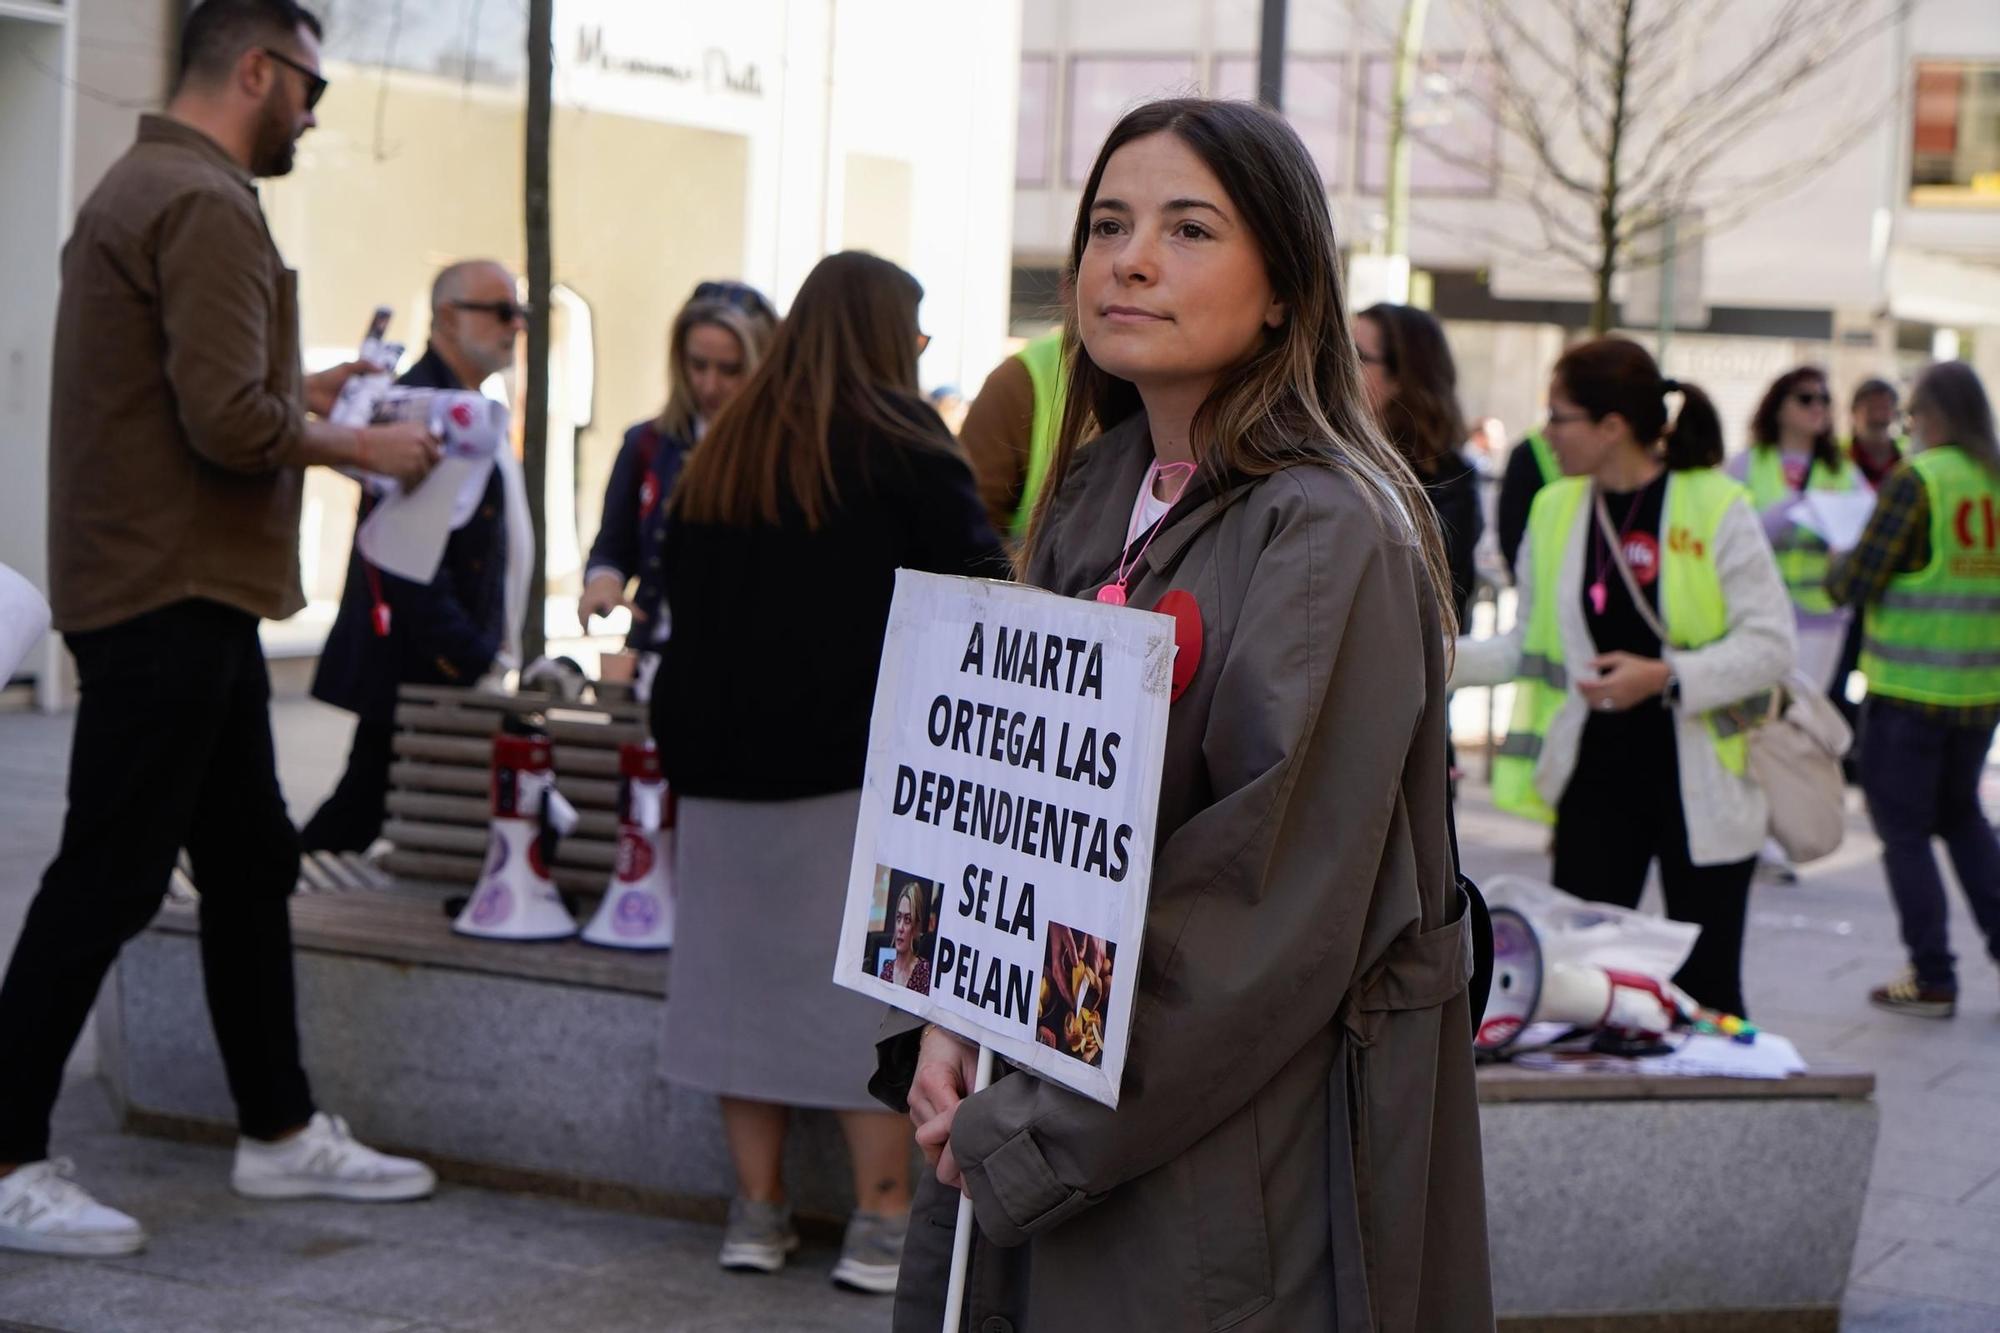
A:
767,682
1620,628
634,525
1519,485
446,632
1454,494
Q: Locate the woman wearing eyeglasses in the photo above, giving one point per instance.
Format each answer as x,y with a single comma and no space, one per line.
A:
1650,610
825,474
1792,451
716,342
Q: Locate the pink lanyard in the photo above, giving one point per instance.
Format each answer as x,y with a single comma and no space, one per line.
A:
1113,594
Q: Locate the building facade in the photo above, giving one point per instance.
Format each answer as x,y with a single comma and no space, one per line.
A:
1886,253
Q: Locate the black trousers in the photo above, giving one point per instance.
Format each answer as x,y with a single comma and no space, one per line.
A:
172,749
351,818
1620,813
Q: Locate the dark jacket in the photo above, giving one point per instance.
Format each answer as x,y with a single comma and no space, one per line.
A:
446,632
1519,485
1296,1143
177,415
634,524
766,685
1454,494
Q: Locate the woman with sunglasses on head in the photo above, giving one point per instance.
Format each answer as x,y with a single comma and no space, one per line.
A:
715,343
1650,610
1300,999
821,478
1793,451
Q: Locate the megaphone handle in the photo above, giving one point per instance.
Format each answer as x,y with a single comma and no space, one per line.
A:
961,1241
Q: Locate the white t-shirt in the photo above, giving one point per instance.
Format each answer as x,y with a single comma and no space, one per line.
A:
1148,508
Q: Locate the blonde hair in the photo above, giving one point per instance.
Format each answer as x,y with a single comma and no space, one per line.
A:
1298,396
752,330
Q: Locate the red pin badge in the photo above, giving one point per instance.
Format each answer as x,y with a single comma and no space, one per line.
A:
1181,605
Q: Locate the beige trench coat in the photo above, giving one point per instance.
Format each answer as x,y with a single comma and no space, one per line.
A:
1296,1145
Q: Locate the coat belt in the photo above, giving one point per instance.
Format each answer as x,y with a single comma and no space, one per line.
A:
1420,970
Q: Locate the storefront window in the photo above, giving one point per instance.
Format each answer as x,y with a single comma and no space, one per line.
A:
1103,88
1031,144
1315,97
1955,134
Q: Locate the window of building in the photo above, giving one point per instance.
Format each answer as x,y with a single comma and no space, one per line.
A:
1031,144
1454,137
1316,100
1955,134
1103,88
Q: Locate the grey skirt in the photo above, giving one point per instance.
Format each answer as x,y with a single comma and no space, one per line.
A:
752,1011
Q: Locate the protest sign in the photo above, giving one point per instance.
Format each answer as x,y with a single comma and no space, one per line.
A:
1005,845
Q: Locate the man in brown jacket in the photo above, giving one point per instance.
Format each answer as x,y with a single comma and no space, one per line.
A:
179,437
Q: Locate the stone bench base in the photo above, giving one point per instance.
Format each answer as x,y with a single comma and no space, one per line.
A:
1615,1202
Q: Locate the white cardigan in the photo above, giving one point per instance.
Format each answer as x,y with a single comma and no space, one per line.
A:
1726,814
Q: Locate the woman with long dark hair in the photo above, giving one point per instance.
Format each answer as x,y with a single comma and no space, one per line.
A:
1412,384
1926,577
825,473
714,345
1792,452
1300,998
1650,612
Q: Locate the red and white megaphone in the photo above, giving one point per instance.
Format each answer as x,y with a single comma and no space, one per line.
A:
638,907
1530,988
516,899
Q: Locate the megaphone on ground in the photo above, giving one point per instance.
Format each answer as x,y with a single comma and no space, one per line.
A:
638,907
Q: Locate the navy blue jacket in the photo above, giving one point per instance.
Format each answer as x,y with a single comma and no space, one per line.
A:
446,632
633,531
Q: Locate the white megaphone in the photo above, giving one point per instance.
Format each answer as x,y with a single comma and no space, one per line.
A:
1529,988
516,900
638,907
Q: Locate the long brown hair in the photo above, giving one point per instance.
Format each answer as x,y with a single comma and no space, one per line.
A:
846,349
1953,391
753,325
1297,397
1422,418
1764,422
1606,375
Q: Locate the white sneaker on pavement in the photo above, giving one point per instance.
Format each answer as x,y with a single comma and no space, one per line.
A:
325,1161
44,1211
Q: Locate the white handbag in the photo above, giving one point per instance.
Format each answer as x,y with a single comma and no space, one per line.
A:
1796,741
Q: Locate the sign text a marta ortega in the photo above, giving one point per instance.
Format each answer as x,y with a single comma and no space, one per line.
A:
1005,845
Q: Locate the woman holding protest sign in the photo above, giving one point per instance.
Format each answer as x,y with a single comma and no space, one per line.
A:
1298,1003
1634,661
826,473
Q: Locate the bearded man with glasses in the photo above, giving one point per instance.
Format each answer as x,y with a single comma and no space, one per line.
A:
180,428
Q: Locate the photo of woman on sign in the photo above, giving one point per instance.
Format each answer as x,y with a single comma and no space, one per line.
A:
1297,1005
907,967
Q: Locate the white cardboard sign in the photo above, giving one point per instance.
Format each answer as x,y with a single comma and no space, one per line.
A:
1005,846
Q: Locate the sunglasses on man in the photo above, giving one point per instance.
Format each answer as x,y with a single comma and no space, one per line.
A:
739,294
315,81
504,311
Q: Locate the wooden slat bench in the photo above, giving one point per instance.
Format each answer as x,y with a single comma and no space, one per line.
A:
439,782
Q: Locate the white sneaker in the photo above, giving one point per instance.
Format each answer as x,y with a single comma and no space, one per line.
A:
44,1211
324,1161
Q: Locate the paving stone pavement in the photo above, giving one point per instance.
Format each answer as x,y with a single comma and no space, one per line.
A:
1928,1260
